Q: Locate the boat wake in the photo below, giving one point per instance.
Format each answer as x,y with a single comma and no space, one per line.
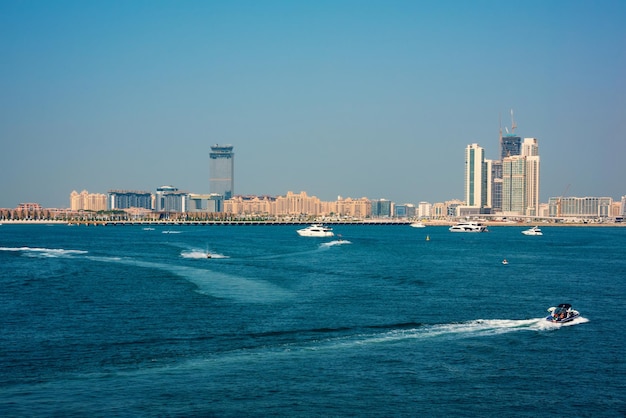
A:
201,255
335,242
405,332
43,252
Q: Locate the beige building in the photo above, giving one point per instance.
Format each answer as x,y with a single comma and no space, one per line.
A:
293,204
88,201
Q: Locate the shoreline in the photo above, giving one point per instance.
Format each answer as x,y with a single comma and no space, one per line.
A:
287,223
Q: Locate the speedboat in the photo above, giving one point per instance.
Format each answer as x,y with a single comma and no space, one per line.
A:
418,224
316,230
468,227
533,231
562,313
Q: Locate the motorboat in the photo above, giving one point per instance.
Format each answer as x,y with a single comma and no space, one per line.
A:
562,313
316,230
533,231
418,224
468,227
505,262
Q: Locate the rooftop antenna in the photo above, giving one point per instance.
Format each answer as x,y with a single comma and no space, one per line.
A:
513,125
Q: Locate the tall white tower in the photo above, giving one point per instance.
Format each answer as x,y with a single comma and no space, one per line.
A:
477,177
530,150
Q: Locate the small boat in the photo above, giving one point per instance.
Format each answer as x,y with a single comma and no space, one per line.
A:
533,231
505,262
468,227
418,224
316,230
562,313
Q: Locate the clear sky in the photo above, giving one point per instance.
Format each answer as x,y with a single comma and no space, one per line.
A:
359,98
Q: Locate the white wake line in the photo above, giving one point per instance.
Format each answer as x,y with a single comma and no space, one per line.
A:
43,251
470,329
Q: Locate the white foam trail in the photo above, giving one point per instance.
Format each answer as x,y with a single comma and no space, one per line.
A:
201,255
170,232
44,252
336,242
475,328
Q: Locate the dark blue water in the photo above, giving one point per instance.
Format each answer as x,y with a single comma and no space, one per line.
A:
122,321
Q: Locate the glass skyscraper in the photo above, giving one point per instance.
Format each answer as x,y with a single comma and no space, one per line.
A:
510,145
222,170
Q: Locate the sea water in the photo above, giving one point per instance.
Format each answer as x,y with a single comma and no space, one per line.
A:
133,321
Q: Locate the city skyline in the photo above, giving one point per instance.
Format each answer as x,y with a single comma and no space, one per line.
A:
349,98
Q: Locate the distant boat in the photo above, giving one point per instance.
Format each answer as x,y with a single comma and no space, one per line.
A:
316,230
533,231
418,224
468,227
505,262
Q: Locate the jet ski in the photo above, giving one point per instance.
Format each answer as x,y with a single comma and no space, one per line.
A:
562,313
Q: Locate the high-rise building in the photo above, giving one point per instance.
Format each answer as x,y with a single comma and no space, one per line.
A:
513,185
520,181
477,177
530,150
510,145
496,186
222,170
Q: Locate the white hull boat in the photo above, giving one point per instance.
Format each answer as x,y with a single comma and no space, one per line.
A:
316,230
468,227
533,231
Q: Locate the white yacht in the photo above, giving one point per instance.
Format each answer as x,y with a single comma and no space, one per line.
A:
533,231
468,227
316,230
418,224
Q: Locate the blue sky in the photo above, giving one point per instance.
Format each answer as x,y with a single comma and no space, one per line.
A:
352,98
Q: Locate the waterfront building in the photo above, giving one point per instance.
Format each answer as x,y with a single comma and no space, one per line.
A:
623,213
381,208
29,207
452,207
439,210
408,210
347,207
125,199
222,170
400,211
205,202
424,210
297,204
580,207
88,201
170,199
250,205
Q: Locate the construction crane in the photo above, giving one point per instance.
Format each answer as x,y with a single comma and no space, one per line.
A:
513,125
558,201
